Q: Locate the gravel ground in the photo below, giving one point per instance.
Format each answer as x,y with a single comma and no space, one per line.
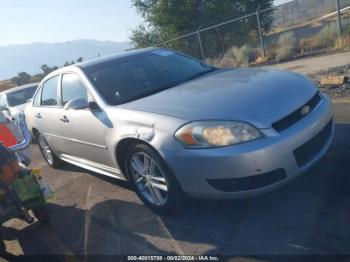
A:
318,67
336,92
92,214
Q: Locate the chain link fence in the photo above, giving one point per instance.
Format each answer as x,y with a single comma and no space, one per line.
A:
279,33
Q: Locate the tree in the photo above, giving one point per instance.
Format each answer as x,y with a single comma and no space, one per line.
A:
37,78
167,19
47,69
143,37
79,60
22,78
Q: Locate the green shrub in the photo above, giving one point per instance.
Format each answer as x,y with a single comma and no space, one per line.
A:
235,57
327,37
286,46
213,61
346,27
240,56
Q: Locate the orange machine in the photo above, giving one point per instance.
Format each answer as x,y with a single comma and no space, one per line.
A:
7,138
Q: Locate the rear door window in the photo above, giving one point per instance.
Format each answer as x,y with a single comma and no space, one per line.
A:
49,92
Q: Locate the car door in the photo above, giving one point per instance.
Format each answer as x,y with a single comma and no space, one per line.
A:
85,128
46,109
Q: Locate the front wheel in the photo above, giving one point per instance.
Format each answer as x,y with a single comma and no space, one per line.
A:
152,179
47,153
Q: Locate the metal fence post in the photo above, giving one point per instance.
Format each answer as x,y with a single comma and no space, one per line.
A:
260,33
339,18
200,44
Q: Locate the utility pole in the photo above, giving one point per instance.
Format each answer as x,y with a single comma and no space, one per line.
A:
260,32
199,25
200,45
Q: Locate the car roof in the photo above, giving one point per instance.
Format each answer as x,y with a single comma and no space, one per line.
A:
17,88
99,60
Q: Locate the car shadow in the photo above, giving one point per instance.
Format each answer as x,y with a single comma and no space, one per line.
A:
118,182
310,215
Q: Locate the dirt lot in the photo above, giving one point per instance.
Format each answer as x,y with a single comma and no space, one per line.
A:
323,66
92,214
6,84
312,65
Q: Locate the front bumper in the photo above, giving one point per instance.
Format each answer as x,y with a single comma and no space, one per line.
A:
275,152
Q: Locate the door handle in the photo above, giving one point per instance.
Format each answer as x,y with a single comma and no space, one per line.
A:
38,115
64,119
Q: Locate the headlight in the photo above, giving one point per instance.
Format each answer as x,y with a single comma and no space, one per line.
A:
216,133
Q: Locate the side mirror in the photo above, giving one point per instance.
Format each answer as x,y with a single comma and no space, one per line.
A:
77,104
94,106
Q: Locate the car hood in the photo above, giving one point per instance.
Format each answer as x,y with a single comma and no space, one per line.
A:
255,95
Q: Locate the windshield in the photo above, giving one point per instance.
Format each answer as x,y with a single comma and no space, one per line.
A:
20,97
127,79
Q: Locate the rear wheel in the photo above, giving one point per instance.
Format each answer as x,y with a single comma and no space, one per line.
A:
152,179
47,153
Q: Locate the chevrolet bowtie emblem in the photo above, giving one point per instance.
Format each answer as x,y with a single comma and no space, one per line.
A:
305,110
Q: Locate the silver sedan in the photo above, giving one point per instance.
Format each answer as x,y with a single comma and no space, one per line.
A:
174,126
13,101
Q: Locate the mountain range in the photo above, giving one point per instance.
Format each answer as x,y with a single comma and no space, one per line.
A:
29,57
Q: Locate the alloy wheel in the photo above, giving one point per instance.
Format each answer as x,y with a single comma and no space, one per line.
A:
149,178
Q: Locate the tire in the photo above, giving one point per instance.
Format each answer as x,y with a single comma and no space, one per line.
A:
42,214
163,202
48,154
34,139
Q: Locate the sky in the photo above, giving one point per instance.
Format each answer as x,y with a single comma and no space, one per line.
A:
29,21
